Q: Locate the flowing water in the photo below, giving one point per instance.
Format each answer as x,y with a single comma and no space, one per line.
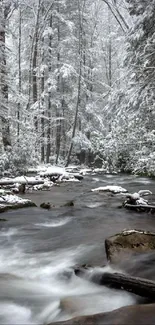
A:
38,249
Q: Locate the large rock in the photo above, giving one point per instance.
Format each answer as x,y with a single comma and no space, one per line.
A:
129,242
133,315
14,206
9,201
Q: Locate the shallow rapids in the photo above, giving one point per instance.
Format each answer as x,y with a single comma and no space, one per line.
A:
39,248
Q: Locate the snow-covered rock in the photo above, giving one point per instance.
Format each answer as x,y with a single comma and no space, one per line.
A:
85,171
110,188
45,186
53,170
78,169
71,169
11,199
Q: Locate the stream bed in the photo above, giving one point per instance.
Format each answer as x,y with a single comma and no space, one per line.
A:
38,249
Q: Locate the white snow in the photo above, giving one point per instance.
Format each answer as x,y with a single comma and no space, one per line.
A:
2,192
21,179
85,171
2,206
110,188
144,192
132,231
72,168
11,199
98,170
142,201
46,185
54,170
137,198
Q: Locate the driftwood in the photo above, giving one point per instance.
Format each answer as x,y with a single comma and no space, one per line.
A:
140,207
139,286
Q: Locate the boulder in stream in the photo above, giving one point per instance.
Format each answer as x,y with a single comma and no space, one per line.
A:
9,201
133,315
45,205
69,204
129,242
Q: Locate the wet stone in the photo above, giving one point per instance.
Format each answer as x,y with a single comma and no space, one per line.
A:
133,315
129,242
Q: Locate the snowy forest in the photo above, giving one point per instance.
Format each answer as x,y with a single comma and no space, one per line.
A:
77,84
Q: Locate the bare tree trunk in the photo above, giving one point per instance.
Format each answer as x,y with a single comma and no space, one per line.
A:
3,79
79,87
42,122
109,51
58,128
48,151
75,118
63,124
34,62
19,73
30,75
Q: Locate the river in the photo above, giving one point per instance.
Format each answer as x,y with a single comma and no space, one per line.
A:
38,249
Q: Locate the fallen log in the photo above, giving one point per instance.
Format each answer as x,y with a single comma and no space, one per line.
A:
26,182
140,207
139,286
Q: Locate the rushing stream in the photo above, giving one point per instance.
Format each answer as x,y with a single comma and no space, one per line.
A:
38,249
